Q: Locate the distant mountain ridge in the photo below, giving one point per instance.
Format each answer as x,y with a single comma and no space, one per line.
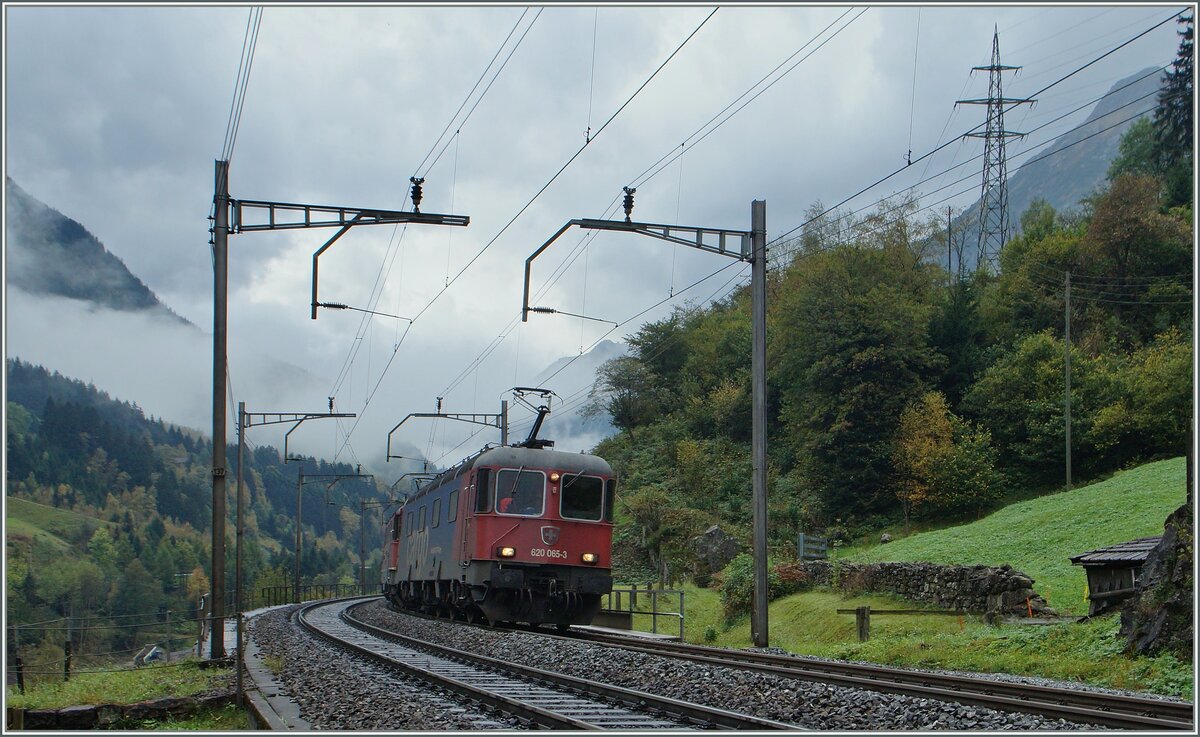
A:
50,254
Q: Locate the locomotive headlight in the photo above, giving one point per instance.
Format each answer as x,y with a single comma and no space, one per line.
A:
589,558
554,478
507,552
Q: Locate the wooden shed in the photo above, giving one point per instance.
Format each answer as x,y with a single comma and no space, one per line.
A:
1113,573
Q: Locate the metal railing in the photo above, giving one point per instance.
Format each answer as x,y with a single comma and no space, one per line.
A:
620,608
276,595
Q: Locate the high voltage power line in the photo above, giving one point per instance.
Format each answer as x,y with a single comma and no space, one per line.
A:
520,212
843,216
882,226
571,257
977,127
675,153
381,274
970,176
652,171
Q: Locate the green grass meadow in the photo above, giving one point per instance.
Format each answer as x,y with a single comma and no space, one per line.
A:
1036,536
131,686
121,687
47,525
808,624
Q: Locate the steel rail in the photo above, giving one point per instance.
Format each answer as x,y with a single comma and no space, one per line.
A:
1092,707
526,712
504,696
697,714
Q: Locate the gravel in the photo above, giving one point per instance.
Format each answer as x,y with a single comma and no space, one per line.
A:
805,704
1005,677
336,690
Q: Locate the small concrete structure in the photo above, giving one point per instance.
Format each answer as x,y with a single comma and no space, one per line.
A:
1113,572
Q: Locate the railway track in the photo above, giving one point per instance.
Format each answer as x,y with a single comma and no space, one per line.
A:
1088,707
537,697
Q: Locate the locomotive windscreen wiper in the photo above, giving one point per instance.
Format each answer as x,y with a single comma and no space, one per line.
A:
511,489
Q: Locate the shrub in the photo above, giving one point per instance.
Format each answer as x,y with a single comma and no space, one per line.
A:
737,583
792,578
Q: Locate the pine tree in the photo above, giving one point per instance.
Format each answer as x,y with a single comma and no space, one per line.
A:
1173,119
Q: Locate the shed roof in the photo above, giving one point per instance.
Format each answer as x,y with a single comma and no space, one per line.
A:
1127,553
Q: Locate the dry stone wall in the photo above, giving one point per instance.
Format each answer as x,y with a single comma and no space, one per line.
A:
981,589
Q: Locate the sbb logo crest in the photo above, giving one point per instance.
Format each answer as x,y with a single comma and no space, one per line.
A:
549,535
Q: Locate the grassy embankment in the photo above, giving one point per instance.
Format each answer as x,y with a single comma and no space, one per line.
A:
1036,536
132,686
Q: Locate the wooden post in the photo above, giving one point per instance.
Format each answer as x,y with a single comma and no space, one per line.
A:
168,635
67,661
16,718
862,622
681,616
15,658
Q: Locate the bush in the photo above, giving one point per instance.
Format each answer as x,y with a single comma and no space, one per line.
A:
792,578
737,583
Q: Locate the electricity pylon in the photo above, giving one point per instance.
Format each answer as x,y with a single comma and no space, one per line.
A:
993,203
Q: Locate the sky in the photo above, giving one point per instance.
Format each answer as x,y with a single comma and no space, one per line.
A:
115,115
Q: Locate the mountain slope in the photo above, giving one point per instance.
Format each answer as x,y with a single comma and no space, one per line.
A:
51,254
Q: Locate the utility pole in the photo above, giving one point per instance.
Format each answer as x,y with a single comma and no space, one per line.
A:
752,249
220,359
279,216
758,367
993,202
1067,370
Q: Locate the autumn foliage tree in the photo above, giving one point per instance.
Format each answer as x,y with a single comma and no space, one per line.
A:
942,463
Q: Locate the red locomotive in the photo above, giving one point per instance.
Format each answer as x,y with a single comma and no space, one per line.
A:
516,533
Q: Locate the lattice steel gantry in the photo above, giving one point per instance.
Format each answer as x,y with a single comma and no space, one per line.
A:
993,202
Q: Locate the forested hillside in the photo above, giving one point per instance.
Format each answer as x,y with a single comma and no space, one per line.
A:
900,393
109,511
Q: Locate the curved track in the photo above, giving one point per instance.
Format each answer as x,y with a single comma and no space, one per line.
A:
537,697
1088,707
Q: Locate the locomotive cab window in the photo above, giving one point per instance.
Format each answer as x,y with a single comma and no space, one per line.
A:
437,513
421,524
396,524
483,490
452,507
520,492
610,500
582,498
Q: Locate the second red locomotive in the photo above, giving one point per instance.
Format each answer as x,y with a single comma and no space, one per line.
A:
512,534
